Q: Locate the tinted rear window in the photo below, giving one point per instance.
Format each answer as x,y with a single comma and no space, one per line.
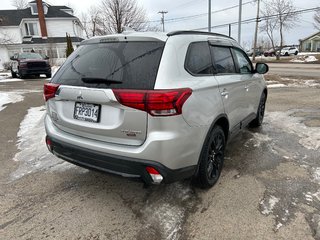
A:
134,64
198,60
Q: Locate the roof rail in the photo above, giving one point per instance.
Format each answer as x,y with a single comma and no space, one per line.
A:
196,32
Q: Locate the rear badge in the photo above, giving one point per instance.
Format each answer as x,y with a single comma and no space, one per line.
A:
130,133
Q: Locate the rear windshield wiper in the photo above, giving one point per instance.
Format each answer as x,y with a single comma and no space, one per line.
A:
100,80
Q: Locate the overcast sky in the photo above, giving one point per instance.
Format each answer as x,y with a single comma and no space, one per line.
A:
184,8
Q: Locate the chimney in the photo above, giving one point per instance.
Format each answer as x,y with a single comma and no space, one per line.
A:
42,20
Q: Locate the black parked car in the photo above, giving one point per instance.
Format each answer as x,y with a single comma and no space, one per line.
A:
29,63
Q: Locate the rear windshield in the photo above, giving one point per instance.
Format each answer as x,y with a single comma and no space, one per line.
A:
127,65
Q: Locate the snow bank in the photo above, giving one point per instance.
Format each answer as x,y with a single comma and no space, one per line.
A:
303,59
9,97
34,155
4,76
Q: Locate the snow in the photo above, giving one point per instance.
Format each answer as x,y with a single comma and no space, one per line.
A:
168,212
309,136
277,85
316,175
9,97
4,76
303,59
34,155
54,69
257,140
11,80
268,206
291,82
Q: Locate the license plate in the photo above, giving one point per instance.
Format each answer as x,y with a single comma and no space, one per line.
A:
86,112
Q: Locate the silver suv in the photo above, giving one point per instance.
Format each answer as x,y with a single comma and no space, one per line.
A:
154,106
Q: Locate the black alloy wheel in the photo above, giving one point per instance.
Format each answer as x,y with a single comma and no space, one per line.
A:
260,114
212,158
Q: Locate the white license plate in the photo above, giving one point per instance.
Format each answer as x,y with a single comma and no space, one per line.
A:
86,112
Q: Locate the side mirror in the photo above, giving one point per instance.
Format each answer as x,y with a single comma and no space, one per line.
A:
262,68
12,58
46,58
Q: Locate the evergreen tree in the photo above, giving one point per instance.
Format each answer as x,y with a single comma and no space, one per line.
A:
69,49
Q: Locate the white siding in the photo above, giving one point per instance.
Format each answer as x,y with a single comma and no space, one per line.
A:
10,35
59,28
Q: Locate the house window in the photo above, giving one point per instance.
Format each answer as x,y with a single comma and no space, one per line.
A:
31,29
34,9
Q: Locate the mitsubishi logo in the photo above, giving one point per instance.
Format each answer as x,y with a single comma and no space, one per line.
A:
79,97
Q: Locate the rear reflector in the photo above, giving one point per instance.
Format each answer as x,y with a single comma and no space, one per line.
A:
154,174
49,90
49,144
154,102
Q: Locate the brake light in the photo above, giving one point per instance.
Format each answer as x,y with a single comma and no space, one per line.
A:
154,102
49,90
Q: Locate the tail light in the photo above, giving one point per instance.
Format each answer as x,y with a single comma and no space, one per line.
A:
154,102
49,90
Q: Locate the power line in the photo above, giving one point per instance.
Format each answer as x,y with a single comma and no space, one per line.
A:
251,20
178,19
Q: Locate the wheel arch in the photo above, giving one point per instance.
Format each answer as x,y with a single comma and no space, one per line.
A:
222,121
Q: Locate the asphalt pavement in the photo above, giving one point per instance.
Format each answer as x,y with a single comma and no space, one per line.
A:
295,69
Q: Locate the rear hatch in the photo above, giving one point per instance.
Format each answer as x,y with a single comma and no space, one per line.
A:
85,104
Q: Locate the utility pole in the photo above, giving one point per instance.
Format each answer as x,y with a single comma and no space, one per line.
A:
256,32
162,18
229,30
209,16
239,22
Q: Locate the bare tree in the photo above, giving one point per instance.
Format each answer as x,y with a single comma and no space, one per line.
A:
6,38
316,18
118,14
269,25
20,4
285,14
92,22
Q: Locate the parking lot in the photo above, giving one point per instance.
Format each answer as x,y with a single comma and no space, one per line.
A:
269,188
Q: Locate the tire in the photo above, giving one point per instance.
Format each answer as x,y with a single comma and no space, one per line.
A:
13,74
296,53
260,113
286,54
211,158
21,75
48,75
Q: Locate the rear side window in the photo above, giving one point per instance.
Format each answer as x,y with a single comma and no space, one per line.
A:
198,60
125,65
222,59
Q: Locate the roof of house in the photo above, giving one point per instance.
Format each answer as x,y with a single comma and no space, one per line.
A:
14,17
311,36
52,40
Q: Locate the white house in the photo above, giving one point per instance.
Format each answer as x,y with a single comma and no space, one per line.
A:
39,27
311,43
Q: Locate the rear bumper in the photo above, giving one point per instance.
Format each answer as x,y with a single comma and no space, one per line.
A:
120,165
